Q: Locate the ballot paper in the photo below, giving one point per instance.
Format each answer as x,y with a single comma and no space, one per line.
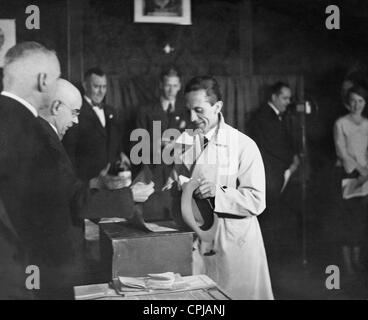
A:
160,281
352,188
287,176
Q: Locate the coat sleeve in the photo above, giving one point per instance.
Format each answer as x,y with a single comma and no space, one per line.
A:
89,203
248,198
70,142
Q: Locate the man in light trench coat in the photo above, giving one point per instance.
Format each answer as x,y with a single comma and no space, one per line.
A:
222,166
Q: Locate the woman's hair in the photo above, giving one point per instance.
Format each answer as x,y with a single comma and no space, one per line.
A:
359,90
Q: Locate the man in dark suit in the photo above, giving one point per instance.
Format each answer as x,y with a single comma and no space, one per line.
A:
39,193
13,260
26,167
268,128
97,139
113,199
166,112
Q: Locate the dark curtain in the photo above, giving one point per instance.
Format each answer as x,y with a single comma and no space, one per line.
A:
241,96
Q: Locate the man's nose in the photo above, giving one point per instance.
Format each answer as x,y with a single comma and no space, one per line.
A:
193,116
75,120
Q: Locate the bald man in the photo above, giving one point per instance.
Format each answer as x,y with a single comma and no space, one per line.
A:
41,197
64,108
74,196
61,115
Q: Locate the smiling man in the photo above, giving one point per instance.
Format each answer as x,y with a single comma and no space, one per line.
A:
97,139
228,168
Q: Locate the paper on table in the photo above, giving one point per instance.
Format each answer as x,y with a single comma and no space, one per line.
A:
156,228
287,175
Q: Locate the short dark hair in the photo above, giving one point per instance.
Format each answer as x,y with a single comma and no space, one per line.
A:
170,71
207,83
359,90
95,70
277,87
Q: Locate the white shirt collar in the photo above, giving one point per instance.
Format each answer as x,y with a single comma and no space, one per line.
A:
165,104
274,108
88,100
53,127
21,101
210,133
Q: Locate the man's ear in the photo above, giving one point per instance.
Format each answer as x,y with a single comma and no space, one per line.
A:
55,107
273,97
42,82
84,85
219,105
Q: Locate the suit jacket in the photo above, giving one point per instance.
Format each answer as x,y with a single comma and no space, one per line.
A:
158,206
276,148
154,112
44,202
89,145
13,261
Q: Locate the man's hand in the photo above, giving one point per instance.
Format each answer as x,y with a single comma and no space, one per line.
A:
206,189
124,161
106,181
294,166
141,191
363,171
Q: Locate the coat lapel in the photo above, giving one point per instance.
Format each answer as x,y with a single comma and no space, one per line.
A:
206,164
4,219
93,118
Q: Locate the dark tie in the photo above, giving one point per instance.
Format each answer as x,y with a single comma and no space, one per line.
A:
204,142
170,115
170,108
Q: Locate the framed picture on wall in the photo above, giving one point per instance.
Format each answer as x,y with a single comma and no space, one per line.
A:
163,11
7,37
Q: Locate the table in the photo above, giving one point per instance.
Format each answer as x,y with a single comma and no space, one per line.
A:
200,287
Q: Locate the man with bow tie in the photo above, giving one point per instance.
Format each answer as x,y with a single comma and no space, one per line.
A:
97,139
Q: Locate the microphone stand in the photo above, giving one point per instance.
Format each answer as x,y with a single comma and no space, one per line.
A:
303,162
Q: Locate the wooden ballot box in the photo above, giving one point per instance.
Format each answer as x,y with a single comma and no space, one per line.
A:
128,251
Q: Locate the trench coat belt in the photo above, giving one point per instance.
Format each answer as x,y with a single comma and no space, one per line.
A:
228,216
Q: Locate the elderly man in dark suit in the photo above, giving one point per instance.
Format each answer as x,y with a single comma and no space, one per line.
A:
268,128
113,199
13,260
27,174
42,198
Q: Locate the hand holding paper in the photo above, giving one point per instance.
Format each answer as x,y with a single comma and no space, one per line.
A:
141,191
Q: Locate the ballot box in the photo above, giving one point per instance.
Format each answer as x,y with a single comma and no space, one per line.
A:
128,251
198,287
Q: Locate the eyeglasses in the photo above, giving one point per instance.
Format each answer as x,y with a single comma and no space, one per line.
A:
75,112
